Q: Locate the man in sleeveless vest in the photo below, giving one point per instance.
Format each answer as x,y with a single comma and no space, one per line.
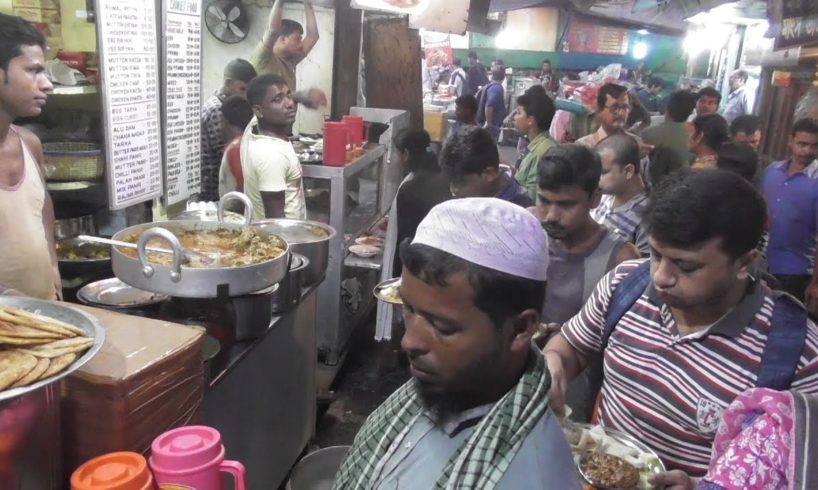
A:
28,263
582,251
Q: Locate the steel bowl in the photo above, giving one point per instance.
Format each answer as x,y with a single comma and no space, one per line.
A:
187,282
308,238
71,227
80,266
317,470
58,311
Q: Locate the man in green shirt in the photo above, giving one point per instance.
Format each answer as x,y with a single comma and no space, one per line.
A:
532,119
283,46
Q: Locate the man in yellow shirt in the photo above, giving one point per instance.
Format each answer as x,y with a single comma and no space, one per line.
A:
283,46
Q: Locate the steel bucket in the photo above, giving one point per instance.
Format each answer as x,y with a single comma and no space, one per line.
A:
30,441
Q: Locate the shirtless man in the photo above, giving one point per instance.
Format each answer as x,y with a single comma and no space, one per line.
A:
28,264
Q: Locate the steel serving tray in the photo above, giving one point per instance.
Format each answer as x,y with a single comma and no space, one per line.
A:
58,311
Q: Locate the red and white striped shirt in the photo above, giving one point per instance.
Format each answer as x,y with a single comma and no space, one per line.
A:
669,391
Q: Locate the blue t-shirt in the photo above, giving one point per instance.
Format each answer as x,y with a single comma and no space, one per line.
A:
792,204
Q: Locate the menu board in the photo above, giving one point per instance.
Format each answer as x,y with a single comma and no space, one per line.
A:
181,98
126,31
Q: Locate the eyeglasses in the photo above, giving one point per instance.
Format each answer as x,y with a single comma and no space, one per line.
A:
618,108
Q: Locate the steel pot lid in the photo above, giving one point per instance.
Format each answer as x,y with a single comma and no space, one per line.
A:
116,294
297,232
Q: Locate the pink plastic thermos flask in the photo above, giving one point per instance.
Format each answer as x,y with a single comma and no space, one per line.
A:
192,458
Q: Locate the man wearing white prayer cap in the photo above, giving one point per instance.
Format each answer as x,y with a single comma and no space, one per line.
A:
474,414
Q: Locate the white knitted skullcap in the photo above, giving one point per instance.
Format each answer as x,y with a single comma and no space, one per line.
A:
489,232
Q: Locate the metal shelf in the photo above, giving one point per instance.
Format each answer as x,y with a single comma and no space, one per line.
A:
318,171
76,90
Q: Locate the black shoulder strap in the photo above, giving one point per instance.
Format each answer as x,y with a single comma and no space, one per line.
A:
785,344
624,296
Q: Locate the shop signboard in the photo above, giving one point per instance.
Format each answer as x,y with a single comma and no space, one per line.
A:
438,49
589,37
797,22
181,97
127,40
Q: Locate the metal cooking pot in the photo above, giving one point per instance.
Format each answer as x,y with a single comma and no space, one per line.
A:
317,470
186,282
288,293
70,227
303,240
253,313
80,266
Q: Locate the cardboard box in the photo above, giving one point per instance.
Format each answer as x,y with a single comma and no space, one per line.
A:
147,378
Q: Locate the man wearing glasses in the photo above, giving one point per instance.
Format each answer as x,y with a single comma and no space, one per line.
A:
613,107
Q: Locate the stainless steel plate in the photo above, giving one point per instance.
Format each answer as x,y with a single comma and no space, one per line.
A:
58,311
115,293
625,440
388,291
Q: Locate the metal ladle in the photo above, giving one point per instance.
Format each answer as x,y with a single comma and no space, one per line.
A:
187,255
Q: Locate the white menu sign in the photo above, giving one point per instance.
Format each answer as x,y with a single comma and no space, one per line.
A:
126,31
181,102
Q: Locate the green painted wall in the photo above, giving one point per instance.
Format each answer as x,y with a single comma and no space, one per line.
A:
665,56
77,34
5,6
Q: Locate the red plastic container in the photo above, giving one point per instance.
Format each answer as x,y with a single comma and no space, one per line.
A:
73,59
337,137
356,126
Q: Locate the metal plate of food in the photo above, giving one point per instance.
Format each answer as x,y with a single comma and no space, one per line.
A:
608,458
389,291
74,338
114,293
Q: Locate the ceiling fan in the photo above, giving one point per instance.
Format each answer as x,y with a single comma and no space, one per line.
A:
227,20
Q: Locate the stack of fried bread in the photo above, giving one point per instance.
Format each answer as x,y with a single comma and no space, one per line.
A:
35,347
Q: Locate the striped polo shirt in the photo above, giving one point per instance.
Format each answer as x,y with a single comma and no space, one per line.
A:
669,391
626,220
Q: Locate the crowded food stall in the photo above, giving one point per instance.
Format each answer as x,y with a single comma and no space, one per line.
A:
201,223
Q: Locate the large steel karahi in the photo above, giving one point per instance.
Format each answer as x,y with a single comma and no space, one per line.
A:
175,277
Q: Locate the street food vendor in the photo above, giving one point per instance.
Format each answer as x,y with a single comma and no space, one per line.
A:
283,46
474,414
28,262
271,170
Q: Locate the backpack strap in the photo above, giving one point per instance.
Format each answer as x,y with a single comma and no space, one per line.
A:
624,297
785,343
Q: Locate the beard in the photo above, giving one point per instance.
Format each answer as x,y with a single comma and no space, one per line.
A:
443,405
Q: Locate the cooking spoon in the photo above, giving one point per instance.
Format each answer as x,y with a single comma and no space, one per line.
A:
187,255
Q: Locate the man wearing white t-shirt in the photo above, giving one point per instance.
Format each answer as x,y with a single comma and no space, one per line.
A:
272,172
